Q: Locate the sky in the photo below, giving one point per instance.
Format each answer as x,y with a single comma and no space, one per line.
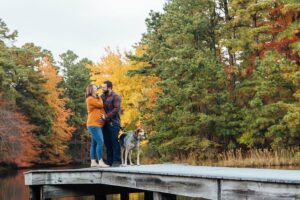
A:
83,26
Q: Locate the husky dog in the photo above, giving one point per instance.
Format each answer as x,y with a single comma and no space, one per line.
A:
131,140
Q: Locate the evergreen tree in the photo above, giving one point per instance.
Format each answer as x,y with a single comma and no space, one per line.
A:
181,50
76,79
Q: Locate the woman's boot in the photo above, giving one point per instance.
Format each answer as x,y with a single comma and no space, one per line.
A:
102,164
94,163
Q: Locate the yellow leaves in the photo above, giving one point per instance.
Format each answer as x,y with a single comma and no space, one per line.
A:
133,89
297,94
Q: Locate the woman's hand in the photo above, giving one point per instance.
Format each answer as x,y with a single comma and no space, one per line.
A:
102,118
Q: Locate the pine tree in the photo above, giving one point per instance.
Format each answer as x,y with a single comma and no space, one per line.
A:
181,51
76,79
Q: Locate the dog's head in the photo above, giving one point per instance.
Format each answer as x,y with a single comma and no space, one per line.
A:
140,133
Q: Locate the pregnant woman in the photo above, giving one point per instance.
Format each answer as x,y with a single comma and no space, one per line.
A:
95,110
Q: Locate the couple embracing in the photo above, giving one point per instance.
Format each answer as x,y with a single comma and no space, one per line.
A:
103,123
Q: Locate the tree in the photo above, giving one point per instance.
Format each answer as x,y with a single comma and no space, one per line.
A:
18,145
21,84
76,79
181,51
113,68
54,150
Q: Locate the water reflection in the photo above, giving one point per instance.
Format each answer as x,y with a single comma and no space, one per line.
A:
12,186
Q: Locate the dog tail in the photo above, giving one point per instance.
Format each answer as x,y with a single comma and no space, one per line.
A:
121,139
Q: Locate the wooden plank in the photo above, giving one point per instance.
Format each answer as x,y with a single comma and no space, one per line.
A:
193,181
255,190
192,187
185,186
28,179
58,191
180,170
61,178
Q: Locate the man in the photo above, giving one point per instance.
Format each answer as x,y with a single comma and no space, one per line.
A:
112,106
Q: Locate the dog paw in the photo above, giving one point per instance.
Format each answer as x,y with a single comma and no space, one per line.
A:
123,165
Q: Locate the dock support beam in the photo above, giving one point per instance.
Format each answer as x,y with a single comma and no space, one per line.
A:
34,193
125,196
148,196
100,197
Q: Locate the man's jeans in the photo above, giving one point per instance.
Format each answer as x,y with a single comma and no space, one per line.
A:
96,143
111,141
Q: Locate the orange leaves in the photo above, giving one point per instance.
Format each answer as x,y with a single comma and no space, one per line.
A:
17,144
61,131
285,32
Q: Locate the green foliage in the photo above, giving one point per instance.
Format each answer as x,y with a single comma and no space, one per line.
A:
22,84
221,87
76,79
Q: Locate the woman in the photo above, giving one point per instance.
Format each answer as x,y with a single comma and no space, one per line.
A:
95,110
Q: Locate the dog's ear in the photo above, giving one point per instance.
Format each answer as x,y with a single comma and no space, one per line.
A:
137,131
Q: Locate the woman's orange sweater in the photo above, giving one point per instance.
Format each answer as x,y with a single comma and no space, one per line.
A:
95,111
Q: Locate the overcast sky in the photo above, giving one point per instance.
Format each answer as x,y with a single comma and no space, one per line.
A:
84,26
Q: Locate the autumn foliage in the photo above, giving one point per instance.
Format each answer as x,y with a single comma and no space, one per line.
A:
18,145
134,90
207,77
57,141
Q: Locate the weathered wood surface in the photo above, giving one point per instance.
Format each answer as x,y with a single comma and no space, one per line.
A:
256,190
175,179
178,170
58,191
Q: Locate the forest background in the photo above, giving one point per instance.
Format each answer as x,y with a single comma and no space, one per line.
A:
214,82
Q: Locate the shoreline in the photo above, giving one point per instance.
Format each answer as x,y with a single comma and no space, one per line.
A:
5,168
257,158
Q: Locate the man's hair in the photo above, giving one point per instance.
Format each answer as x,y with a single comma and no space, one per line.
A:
109,84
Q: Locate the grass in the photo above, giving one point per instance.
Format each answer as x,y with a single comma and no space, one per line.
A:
260,158
285,158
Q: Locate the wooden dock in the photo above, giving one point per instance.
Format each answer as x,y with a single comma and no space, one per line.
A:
166,181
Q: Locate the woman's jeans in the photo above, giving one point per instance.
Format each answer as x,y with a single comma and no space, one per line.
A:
96,143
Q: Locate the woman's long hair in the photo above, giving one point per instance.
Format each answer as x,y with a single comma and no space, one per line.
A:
89,90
